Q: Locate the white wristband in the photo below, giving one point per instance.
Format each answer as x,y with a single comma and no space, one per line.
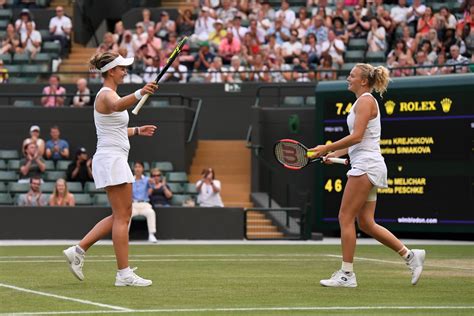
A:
138,95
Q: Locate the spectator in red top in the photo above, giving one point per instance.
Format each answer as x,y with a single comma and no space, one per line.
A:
228,47
426,22
53,95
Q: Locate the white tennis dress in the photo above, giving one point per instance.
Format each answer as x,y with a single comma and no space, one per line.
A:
110,162
365,156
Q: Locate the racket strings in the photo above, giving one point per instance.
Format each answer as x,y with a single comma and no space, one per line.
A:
291,154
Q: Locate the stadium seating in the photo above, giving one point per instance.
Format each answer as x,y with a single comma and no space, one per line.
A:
5,199
177,177
83,199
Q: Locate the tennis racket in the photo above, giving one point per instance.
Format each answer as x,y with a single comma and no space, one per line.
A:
171,59
294,155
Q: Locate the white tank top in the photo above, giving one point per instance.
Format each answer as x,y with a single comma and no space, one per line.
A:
111,129
370,144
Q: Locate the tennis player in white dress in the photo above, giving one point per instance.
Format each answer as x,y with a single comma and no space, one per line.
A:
368,172
110,166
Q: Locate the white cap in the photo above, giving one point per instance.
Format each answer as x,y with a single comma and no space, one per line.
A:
119,61
34,128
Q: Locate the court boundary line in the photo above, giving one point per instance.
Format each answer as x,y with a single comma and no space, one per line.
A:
72,299
249,309
215,257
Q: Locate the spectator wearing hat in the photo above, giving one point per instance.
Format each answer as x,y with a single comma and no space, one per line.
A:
80,170
34,197
31,164
216,36
35,137
53,95
340,29
185,23
31,40
20,23
204,25
56,148
165,27
60,27
229,47
127,43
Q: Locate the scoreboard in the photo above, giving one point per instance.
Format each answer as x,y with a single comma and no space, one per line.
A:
427,143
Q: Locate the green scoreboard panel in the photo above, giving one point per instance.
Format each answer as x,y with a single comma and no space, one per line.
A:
428,146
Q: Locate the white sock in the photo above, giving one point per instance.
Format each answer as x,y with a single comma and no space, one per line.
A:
347,267
79,250
408,254
125,272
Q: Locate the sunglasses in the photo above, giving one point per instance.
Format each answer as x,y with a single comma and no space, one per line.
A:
156,175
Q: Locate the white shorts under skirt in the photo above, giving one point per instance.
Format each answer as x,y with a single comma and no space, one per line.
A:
374,168
110,169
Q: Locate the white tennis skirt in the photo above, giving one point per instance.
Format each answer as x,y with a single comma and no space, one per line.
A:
111,168
375,169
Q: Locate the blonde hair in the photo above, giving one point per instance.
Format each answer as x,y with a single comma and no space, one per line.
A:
99,60
65,195
377,77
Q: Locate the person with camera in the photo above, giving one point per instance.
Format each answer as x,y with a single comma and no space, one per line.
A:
160,193
80,170
209,189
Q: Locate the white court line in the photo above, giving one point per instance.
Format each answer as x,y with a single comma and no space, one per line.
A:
402,263
176,260
61,297
251,309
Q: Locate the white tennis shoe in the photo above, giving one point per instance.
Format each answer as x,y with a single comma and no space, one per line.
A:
75,261
340,279
131,280
415,264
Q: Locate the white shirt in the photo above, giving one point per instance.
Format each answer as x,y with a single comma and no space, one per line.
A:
332,50
112,133
289,49
207,196
399,14
34,37
289,17
60,23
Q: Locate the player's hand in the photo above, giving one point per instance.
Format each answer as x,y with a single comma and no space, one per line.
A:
317,151
149,88
147,130
325,158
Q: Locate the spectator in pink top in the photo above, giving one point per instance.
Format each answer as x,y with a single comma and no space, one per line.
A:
228,47
153,43
53,95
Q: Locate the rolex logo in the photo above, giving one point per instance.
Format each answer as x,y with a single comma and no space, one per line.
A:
389,107
446,104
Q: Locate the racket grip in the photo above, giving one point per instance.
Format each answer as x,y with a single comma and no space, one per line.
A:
341,161
140,104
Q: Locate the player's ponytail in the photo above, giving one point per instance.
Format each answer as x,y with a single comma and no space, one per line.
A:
377,77
381,79
99,60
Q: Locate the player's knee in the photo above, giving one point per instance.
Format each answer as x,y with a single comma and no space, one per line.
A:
345,218
365,225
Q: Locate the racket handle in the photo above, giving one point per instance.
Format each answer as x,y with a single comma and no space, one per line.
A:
341,161
140,104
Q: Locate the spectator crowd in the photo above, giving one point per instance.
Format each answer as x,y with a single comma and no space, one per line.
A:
263,41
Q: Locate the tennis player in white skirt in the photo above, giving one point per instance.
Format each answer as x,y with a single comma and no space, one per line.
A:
368,172
110,166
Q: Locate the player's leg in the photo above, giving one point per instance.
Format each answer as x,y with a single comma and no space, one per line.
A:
414,258
75,254
120,198
355,194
